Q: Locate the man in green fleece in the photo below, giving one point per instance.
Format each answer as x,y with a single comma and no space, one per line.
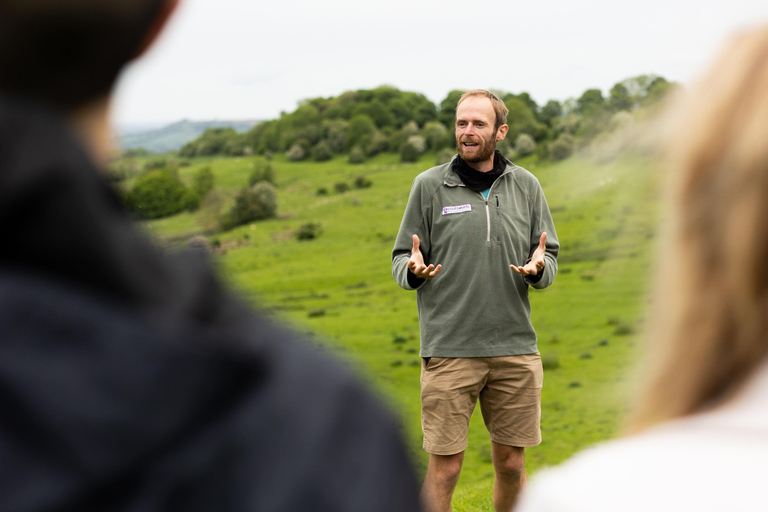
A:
476,234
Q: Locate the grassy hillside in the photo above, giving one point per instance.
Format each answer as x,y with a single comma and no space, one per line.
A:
339,288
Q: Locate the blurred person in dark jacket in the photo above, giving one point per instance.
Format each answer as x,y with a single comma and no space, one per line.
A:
131,379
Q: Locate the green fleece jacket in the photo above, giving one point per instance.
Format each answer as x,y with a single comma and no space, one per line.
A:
476,306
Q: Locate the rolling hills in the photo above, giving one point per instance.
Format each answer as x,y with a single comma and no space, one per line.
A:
338,287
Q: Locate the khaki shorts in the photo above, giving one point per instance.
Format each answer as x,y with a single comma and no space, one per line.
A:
509,389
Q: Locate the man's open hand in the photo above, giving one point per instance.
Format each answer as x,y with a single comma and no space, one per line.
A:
536,265
416,263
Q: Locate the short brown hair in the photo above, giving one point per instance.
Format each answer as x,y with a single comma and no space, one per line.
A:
67,52
499,108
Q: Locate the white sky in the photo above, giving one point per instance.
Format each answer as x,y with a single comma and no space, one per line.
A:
245,59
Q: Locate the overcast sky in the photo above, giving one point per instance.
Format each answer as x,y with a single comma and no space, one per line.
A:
246,59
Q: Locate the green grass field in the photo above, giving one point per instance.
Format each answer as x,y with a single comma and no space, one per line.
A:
338,288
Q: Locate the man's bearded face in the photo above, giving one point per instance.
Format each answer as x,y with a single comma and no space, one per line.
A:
476,147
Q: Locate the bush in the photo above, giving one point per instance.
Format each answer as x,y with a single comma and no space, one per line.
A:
357,155
341,187
203,181
160,194
410,129
322,152
505,148
309,231
255,203
444,156
418,142
322,191
524,144
157,164
262,171
561,148
296,153
436,135
362,182
409,153
378,144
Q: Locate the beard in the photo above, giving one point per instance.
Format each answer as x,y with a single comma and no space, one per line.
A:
482,152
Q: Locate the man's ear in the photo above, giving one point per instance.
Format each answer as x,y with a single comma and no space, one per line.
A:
161,18
501,132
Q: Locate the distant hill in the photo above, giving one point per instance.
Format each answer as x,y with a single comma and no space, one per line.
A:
174,136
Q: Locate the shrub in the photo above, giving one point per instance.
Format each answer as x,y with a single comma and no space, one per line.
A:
362,182
435,134
561,148
255,203
418,142
156,164
203,181
160,194
524,144
505,148
322,191
409,153
410,129
378,144
322,152
262,171
444,156
296,153
341,187
357,155
309,231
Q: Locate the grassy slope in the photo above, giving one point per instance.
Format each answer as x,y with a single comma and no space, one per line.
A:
339,288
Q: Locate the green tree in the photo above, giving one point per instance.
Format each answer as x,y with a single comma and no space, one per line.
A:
360,131
378,144
436,135
160,194
409,152
203,181
591,101
251,204
551,111
657,89
619,98
296,153
562,147
447,114
520,118
322,152
335,132
524,144
356,155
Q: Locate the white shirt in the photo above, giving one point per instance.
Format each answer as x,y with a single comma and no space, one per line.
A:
713,461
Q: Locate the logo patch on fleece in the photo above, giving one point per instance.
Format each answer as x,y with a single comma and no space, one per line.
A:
448,210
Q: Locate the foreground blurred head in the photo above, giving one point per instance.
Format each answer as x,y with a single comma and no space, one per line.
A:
68,53
711,316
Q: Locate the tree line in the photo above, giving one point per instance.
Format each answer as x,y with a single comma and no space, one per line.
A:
364,123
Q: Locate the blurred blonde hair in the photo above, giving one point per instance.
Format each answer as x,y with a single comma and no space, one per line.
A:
710,328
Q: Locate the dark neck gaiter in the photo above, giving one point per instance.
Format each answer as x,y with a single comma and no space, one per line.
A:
476,180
